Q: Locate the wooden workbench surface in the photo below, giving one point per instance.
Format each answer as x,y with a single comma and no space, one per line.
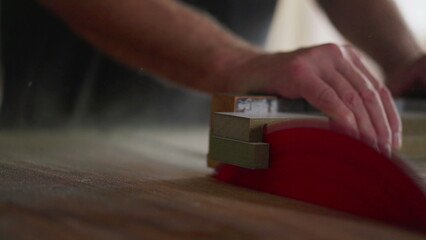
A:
147,184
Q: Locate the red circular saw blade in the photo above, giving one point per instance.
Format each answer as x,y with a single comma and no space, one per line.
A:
333,170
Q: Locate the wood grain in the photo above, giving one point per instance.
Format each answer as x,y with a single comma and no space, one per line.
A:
147,184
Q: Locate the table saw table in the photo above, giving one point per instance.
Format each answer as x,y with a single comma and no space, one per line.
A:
148,184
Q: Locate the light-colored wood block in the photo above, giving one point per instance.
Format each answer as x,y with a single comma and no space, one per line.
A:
239,153
248,127
239,103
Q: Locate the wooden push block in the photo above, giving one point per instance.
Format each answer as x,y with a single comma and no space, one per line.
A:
237,137
239,103
239,153
248,127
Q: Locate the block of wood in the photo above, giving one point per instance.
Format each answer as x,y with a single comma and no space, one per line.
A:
228,102
248,127
239,153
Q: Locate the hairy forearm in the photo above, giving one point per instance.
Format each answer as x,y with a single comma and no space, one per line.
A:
376,27
163,37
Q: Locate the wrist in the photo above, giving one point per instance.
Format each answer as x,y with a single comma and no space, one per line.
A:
226,66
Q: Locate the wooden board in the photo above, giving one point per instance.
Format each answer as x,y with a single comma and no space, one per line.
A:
147,184
248,127
244,154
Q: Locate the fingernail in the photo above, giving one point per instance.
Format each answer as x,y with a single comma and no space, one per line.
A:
397,140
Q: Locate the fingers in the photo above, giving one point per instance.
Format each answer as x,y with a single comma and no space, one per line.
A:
372,102
393,117
335,81
323,97
384,95
353,101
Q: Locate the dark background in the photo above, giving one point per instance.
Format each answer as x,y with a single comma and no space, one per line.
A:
52,78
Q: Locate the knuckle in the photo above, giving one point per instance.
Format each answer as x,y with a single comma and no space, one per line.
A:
351,98
369,96
333,49
348,118
298,67
347,46
351,49
384,133
327,97
314,51
384,92
352,53
331,46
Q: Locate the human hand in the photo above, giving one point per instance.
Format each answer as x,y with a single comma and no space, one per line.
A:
408,77
332,79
